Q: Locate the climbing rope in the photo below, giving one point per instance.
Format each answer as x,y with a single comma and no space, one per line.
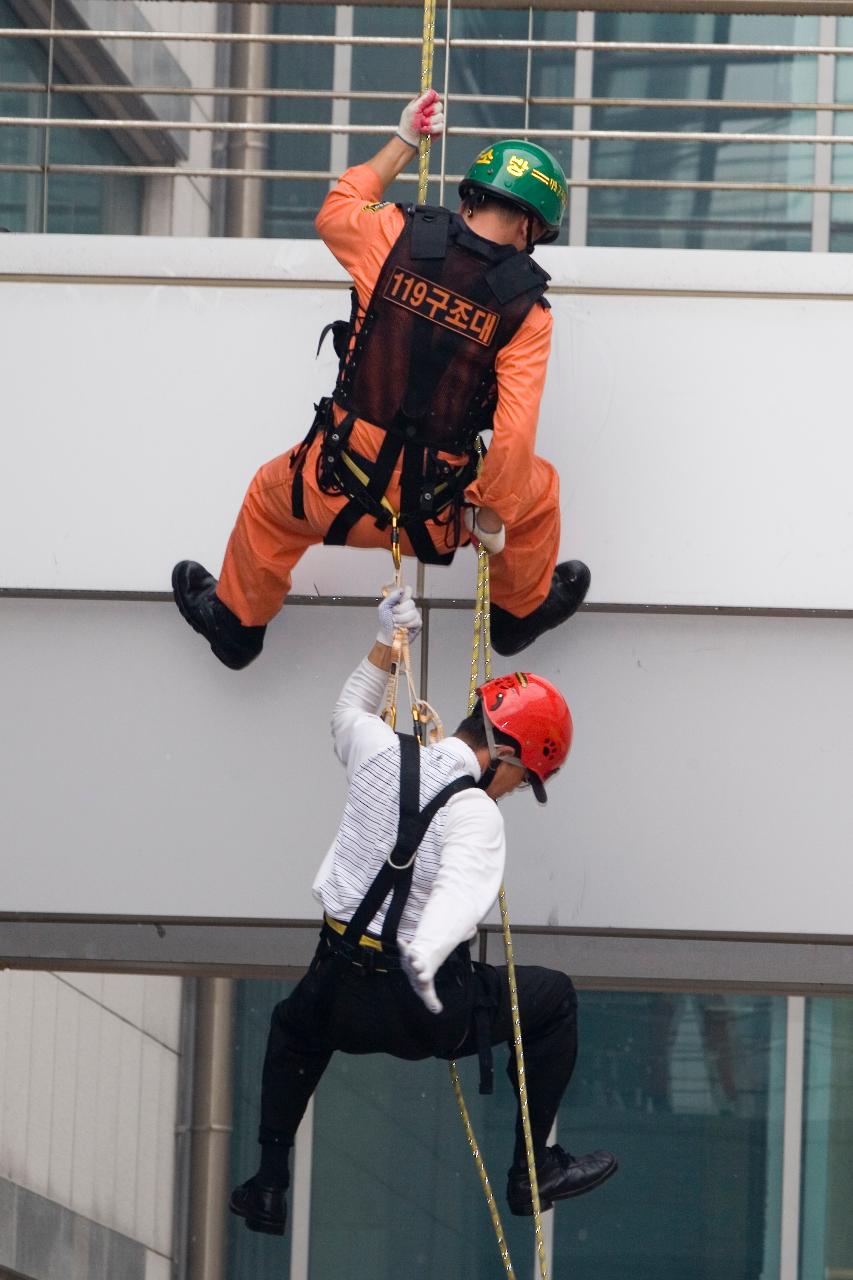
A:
482,646
428,728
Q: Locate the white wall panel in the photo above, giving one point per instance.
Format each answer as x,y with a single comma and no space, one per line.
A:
701,439
161,1017
175,787
708,785
13,1129
129,1119
146,1146
64,1085
164,1124
43,1048
86,1110
708,788
107,1151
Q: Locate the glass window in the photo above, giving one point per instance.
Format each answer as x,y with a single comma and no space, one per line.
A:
841,214
688,1090
826,1247
291,205
701,218
251,1254
80,203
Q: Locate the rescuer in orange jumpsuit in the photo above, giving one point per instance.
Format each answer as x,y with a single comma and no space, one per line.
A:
513,197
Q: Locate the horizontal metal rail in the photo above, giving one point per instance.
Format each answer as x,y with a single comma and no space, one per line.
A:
455,42
593,135
329,175
490,99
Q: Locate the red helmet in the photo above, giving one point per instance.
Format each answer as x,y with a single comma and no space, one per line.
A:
529,709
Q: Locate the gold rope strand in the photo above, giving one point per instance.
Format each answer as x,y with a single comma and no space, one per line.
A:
482,630
427,46
482,637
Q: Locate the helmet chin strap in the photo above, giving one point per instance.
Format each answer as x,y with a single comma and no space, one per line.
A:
494,758
531,243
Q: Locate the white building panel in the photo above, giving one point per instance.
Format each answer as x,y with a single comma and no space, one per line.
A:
691,409
709,751
64,1065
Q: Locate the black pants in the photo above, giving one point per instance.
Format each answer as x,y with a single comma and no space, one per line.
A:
348,1008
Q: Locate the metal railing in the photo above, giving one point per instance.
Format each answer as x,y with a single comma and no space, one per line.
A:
822,138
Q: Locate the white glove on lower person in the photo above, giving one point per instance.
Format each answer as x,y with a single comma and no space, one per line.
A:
423,115
494,542
398,612
419,979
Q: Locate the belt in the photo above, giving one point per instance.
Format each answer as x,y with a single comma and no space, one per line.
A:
334,931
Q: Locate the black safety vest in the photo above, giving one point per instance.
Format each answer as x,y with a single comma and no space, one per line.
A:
421,365
445,303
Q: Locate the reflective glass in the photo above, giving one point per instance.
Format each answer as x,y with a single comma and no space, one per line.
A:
687,1090
251,1255
291,206
21,62
826,1247
76,203
668,218
841,212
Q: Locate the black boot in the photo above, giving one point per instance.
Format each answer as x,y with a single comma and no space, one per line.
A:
195,596
559,1177
263,1208
569,586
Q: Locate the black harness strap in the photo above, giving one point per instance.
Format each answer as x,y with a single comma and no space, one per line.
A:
430,228
395,875
369,496
297,458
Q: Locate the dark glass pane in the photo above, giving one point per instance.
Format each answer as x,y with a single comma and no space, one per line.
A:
291,204
688,1091
251,1255
394,1177
827,1183
841,210
78,203
388,69
702,218
21,62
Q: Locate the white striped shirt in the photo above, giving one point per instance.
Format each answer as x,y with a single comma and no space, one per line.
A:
460,862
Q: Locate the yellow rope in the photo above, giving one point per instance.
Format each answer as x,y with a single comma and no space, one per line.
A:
427,46
482,633
482,642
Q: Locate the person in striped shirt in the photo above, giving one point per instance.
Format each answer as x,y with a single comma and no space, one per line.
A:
414,868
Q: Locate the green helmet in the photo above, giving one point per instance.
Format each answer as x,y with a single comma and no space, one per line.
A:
524,174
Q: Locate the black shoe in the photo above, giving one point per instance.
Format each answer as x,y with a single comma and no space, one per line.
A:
264,1208
559,1176
569,586
195,596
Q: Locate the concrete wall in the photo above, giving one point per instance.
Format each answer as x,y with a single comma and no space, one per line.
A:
88,1096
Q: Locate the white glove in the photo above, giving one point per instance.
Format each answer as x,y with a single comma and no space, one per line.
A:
493,542
424,114
415,970
398,612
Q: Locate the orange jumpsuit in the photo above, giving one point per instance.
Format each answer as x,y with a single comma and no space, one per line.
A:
268,540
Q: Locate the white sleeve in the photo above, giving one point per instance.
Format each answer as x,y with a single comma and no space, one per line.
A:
468,879
357,730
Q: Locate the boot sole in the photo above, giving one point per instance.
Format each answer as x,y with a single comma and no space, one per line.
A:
525,1210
